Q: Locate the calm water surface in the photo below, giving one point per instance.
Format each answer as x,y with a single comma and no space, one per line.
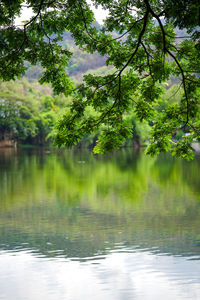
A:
76,226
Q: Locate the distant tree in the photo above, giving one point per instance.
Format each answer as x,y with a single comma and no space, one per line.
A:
17,118
27,117
145,54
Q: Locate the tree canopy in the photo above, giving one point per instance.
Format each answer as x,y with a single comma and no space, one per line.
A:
138,40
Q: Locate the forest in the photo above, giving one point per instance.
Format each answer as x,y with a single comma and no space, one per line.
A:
30,111
132,80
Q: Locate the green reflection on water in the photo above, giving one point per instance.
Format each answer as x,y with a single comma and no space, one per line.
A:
75,204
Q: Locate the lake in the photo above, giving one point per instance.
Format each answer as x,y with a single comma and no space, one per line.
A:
74,226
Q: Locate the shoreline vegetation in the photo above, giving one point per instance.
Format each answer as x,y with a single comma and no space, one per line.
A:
29,113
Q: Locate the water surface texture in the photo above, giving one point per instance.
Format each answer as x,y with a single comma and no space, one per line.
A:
77,226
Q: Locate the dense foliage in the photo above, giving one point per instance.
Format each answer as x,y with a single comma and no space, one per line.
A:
28,112
145,54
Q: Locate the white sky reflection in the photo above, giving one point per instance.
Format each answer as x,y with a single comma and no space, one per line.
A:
120,276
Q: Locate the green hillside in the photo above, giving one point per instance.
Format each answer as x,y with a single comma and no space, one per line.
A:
80,63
